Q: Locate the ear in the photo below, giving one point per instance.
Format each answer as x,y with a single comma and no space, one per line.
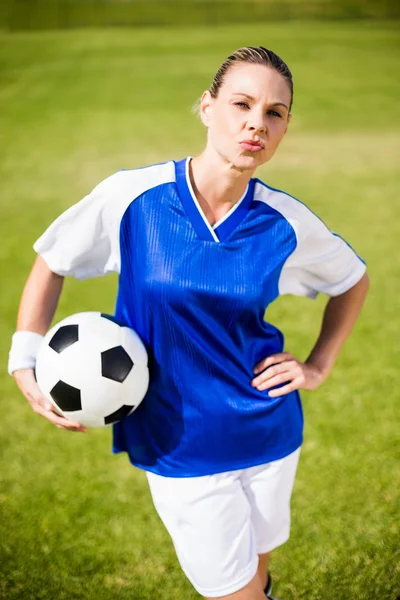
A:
205,107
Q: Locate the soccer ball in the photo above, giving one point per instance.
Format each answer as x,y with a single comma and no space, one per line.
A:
92,369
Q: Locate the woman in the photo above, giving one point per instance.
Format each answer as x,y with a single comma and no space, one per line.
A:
202,248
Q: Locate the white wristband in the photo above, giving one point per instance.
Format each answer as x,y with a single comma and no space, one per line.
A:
24,349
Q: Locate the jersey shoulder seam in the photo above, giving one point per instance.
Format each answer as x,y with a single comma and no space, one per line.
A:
133,178
298,210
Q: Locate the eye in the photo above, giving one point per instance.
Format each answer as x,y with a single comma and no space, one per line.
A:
274,113
242,104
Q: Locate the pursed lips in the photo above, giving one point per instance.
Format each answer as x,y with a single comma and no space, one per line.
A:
252,145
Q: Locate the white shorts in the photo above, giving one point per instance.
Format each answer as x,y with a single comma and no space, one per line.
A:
220,523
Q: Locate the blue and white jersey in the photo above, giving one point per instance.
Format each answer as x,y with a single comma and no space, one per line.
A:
197,295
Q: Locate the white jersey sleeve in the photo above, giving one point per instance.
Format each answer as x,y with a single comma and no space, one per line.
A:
84,240
78,242
322,261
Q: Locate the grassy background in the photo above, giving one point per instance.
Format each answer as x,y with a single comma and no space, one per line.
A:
64,14
74,107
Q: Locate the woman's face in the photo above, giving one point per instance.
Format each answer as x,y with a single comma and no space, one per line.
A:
249,117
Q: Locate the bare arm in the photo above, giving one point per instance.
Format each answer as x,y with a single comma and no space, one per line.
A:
340,315
39,299
38,305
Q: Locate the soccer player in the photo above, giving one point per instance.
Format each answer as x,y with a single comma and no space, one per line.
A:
202,248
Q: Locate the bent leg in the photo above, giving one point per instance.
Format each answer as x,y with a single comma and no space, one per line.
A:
269,489
251,591
263,564
209,521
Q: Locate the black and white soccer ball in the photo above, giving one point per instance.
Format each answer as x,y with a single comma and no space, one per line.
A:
92,369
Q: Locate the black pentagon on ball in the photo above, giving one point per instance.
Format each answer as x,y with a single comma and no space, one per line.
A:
118,415
116,364
64,337
67,397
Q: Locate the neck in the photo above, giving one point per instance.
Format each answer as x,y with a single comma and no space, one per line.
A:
218,184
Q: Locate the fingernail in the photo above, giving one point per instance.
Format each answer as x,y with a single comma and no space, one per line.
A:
47,406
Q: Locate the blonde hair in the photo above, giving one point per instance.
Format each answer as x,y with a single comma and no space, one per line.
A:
254,55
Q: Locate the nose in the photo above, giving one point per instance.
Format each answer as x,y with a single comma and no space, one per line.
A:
257,124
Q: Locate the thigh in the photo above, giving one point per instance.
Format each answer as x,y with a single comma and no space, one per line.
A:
209,521
269,489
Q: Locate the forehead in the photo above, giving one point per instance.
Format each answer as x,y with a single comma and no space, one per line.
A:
257,81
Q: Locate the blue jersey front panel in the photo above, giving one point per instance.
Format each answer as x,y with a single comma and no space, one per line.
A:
197,297
198,304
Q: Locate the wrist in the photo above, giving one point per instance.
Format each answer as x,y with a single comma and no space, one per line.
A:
321,367
24,348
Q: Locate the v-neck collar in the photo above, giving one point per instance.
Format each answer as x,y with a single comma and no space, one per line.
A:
224,227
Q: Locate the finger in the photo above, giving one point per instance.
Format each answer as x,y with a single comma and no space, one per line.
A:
80,429
286,389
77,429
35,397
27,383
56,419
70,426
40,404
33,393
288,366
271,360
67,424
277,380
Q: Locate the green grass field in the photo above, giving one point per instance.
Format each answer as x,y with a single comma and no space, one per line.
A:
77,522
25,15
